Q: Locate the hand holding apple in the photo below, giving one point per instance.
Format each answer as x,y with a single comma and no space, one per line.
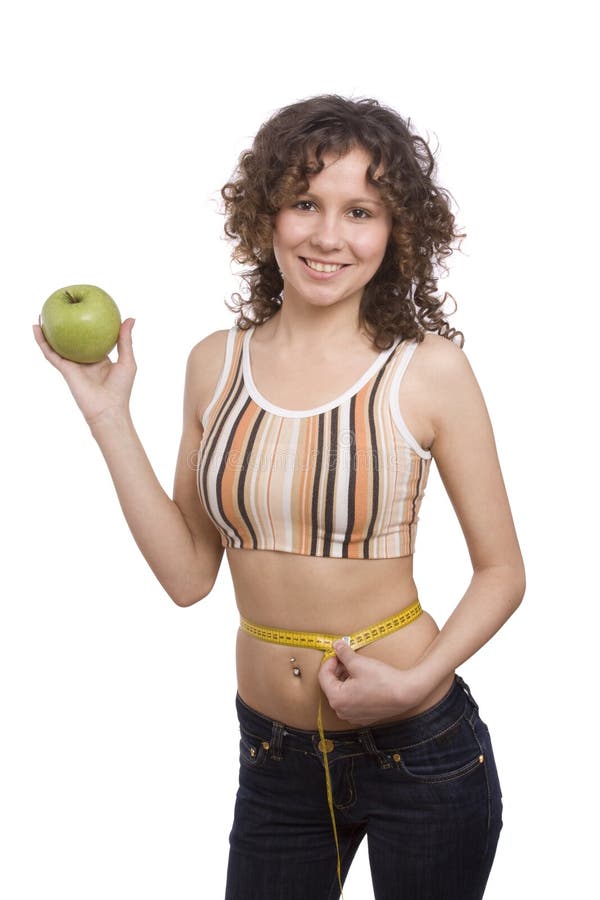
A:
81,322
98,387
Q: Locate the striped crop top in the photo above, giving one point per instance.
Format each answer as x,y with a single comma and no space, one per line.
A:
345,479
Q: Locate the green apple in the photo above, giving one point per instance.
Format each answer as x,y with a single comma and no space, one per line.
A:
81,322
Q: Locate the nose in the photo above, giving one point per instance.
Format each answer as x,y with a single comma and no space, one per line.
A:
327,233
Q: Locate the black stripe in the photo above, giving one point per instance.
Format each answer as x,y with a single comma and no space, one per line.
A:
351,481
228,402
414,504
315,489
227,406
221,470
210,440
374,449
330,486
242,478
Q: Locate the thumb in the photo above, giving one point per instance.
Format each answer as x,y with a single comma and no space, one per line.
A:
124,342
344,653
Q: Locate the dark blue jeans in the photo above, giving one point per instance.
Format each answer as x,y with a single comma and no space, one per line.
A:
424,790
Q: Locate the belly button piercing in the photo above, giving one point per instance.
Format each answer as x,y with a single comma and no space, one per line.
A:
296,669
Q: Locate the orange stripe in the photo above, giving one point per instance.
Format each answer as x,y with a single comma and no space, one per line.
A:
363,501
277,467
294,471
305,453
231,474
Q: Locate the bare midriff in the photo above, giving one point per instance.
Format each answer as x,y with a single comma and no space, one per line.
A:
325,595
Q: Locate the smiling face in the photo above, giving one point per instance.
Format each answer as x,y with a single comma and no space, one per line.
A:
330,241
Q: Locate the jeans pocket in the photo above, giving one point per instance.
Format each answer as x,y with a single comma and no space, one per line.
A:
447,755
253,749
494,781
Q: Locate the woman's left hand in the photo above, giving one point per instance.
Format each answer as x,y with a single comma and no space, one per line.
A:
362,690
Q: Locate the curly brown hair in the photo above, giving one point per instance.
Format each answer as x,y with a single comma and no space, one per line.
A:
400,299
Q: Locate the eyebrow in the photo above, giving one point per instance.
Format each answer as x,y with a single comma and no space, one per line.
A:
354,200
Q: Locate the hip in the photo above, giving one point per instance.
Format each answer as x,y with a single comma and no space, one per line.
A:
446,743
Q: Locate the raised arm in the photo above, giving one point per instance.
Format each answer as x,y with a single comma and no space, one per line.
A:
181,550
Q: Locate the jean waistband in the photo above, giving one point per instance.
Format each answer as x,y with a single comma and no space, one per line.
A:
404,732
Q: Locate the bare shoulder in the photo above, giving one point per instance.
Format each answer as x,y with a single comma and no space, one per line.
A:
210,350
440,367
438,370
204,366
436,354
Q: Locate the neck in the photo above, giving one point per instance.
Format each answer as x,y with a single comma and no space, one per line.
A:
310,331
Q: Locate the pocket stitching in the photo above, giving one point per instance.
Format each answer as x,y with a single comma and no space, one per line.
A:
446,776
431,737
246,743
438,779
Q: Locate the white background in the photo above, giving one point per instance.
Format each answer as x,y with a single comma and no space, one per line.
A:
121,121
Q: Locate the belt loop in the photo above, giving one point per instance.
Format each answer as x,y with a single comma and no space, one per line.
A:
276,742
365,736
467,691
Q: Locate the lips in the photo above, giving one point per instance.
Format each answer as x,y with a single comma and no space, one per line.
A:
323,267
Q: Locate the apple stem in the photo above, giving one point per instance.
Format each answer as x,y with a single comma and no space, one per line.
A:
72,299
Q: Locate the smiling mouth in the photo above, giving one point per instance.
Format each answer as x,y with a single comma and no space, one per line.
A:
323,267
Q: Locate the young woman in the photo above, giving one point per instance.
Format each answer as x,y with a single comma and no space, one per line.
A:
309,430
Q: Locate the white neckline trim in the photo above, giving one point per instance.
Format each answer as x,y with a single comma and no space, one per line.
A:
304,413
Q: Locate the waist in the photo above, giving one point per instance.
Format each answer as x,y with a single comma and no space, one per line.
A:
324,641
306,593
265,671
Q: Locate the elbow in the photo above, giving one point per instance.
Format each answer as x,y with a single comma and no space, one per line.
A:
508,581
196,586
523,587
519,585
189,597
186,601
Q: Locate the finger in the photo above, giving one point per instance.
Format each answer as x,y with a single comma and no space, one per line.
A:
125,343
341,672
51,355
345,653
330,664
327,677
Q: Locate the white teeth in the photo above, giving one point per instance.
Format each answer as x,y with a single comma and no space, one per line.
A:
321,267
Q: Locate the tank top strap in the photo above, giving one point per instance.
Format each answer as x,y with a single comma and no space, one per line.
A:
400,362
230,373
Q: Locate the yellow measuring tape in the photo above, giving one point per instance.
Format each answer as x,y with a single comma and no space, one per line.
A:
324,642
